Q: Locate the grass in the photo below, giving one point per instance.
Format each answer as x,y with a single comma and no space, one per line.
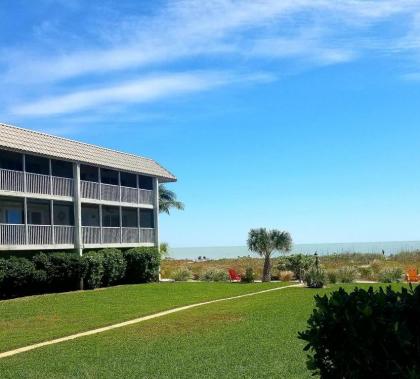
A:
244,338
368,264
33,319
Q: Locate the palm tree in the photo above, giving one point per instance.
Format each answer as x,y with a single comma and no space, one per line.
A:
167,200
264,242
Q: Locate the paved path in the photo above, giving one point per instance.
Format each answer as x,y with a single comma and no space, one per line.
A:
131,322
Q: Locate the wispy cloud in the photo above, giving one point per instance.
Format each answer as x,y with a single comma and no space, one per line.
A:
226,35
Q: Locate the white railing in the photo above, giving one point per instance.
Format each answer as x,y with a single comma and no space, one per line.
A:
90,190
129,195
91,235
110,192
147,235
111,235
145,196
130,235
11,180
40,235
62,186
12,234
38,183
63,235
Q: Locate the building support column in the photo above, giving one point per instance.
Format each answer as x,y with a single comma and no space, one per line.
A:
78,238
25,216
52,221
156,215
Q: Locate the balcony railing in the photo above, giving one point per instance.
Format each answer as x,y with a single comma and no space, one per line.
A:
15,234
11,180
94,235
111,192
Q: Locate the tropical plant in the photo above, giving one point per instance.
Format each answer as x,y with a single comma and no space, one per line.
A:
164,249
214,275
347,274
264,242
182,274
298,263
391,274
315,277
248,277
168,200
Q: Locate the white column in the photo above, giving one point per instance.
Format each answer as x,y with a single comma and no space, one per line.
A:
78,243
52,220
25,215
156,209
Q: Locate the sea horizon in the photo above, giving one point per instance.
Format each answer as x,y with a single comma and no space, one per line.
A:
220,252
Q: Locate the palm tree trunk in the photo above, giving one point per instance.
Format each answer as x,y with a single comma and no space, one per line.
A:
267,269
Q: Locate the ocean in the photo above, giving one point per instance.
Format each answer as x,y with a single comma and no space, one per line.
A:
218,252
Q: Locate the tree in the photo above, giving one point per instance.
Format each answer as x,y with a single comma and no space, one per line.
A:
297,263
168,200
264,242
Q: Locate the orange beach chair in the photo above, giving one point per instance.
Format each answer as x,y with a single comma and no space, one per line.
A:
233,275
412,275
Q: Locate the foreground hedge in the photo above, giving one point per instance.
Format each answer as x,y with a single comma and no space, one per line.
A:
57,272
365,334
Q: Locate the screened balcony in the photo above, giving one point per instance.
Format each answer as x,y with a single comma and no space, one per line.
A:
107,225
110,185
35,174
44,223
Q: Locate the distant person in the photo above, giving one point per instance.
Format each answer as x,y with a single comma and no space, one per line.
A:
383,252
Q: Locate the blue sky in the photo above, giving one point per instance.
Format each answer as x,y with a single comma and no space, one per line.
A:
302,115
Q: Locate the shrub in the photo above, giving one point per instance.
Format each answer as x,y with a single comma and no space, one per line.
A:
315,277
286,276
182,274
18,276
114,266
365,334
64,271
297,263
248,277
366,272
93,269
214,275
332,276
347,274
390,275
142,265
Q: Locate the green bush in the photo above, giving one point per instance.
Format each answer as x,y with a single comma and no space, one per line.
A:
214,275
64,271
365,334
366,272
182,274
248,277
390,275
347,274
114,266
332,276
93,269
297,263
315,277
18,277
142,265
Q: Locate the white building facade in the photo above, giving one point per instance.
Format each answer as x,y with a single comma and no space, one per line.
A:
57,194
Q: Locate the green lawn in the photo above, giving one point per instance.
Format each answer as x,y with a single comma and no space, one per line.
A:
253,337
33,319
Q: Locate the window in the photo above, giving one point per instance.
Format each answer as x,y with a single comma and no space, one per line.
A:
90,215
109,176
128,180
110,216
11,161
147,218
11,211
37,165
145,182
129,218
39,212
63,213
62,168
89,173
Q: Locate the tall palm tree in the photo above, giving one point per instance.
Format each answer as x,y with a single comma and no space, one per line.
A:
264,242
168,200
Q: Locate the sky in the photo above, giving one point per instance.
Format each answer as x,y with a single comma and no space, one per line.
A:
301,115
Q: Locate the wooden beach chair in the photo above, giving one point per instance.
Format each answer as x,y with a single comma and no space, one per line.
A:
233,275
411,275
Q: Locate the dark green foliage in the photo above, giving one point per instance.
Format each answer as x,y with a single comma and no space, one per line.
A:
297,263
249,276
315,277
365,334
64,271
18,276
391,275
93,270
142,265
114,266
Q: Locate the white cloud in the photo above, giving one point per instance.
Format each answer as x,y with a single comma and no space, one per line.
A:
135,91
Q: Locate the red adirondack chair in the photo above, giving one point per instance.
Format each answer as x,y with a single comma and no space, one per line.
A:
412,275
233,275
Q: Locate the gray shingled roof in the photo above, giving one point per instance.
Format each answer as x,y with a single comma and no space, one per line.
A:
57,147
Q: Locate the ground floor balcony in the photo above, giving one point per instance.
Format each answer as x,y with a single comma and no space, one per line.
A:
27,237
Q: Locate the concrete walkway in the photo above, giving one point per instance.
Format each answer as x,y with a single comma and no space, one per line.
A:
131,322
